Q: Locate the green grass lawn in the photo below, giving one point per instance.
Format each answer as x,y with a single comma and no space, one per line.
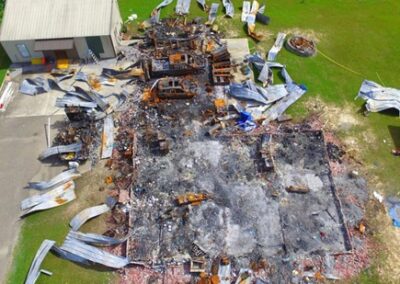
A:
4,63
53,225
363,35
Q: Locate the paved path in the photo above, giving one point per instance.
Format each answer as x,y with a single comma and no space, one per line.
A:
22,138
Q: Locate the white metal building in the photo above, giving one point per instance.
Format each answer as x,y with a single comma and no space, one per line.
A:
60,29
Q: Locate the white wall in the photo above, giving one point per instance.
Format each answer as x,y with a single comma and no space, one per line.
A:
11,49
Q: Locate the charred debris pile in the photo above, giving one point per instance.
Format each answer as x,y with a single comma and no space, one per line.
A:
207,176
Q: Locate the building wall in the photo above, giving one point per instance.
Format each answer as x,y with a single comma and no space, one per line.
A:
82,47
10,47
12,51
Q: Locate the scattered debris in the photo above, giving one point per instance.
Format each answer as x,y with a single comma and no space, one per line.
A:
280,40
182,7
196,157
59,150
61,178
191,199
78,251
108,138
246,8
56,197
229,10
251,17
35,86
204,5
394,213
87,214
378,196
212,16
379,98
34,270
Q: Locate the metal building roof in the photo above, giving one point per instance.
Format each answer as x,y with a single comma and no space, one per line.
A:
49,19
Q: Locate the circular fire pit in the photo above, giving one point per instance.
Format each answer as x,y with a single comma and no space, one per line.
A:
301,46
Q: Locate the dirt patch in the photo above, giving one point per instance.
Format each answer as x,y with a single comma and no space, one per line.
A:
308,33
91,190
334,118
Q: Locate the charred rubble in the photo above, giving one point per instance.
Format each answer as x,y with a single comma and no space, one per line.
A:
202,186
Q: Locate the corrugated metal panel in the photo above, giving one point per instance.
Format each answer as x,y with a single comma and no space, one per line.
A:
34,271
87,214
93,254
54,44
108,138
44,19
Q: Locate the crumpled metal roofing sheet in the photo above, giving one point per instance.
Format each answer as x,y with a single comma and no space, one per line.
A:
280,40
79,95
53,84
182,7
203,4
246,10
164,4
87,214
62,149
71,100
34,270
34,86
295,93
108,138
99,100
95,239
213,13
53,199
276,92
240,91
93,254
229,10
256,60
379,98
57,180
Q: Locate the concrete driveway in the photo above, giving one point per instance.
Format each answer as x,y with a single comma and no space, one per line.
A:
22,138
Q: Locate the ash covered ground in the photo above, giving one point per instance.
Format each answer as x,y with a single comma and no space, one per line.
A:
249,215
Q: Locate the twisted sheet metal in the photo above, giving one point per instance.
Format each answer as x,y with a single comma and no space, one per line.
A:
37,199
280,40
229,10
34,270
80,250
62,149
379,98
87,214
108,138
95,239
72,101
213,13
182,7
59,179
58,196
203,4
243,92
275,111
34,86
